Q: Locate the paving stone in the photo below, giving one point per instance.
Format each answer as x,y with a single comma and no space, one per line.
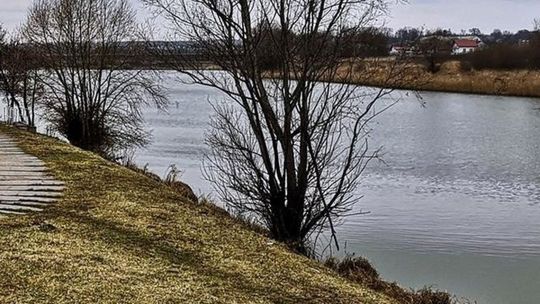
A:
25,184
31,188
18,208
30,193
39,182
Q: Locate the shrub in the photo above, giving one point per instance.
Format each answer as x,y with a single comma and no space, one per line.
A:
506,57
465,66
171,179
359,270
430,296
355,269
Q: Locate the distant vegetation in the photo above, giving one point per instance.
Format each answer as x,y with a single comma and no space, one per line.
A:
501,50
354,42
506,56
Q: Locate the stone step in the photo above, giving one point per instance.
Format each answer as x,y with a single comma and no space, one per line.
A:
10,212
23,169
16,153
8,172
31,204
27,199
28,163
23,173
28,182
6,178
19,159
25,185
17,208
6,162
30,193
32,188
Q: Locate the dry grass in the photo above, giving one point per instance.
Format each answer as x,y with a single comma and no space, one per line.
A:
506,83
119,236
359,270
452,77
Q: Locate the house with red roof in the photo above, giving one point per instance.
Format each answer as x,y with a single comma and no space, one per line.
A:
464,46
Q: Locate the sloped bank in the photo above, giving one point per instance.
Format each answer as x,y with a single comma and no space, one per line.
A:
118,236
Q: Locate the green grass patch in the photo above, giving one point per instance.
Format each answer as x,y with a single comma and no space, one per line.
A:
118,236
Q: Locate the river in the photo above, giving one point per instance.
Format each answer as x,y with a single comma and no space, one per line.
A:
454,205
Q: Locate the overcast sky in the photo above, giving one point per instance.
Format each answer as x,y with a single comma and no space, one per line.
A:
455,14
487,15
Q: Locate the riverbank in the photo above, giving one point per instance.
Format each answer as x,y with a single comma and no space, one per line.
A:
452,77
118,236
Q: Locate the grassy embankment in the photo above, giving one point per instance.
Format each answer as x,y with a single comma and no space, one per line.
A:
451,77
118,236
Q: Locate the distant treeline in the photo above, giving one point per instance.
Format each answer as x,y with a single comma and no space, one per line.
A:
127,55
410,35
502,50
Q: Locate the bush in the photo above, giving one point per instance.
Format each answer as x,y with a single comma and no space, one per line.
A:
359,270
506,57
430,296
465,66
355,269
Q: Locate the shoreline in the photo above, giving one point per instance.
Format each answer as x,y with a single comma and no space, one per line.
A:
447,91
114,215
451,78
118,235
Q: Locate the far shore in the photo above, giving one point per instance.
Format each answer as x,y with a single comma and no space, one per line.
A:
451,78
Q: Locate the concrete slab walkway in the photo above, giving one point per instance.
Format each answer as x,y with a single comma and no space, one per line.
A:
25,185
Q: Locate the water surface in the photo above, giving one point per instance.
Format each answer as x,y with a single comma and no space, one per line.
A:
456,203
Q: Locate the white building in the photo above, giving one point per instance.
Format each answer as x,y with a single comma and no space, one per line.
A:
401,50
465,46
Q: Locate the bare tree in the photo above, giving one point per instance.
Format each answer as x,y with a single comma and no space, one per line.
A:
475,31
291,146
408,34
92,95
434,49
20,79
